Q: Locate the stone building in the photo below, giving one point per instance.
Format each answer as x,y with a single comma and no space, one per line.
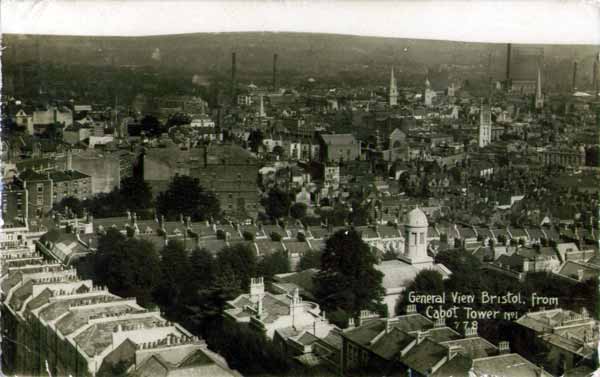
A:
225,169
56,323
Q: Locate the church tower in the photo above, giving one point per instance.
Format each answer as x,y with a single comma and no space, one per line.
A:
415,240
539,97
262,113
428,94
393,91
485,125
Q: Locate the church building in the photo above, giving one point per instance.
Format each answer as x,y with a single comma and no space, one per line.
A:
399,273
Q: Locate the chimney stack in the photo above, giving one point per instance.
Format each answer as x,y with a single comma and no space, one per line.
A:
275,72
595,75
233,79
508,57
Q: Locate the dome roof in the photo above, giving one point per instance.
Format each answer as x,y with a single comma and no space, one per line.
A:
416,218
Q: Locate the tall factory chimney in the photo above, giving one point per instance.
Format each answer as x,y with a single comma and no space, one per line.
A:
275,72
574,84
595,75
233,79
508,57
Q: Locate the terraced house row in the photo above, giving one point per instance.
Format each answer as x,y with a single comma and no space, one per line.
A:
56,323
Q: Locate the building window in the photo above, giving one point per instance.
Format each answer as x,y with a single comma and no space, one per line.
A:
422,238
414,238
40,187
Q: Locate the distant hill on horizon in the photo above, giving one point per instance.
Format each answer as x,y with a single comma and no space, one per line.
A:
298,53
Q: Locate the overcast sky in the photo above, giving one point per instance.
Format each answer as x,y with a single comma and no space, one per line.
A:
526,21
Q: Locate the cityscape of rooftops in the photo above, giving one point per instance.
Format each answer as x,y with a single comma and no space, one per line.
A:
289,204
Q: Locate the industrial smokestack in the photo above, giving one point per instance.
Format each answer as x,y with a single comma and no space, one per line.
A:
595,75
275,72
574,85
508,53
233,78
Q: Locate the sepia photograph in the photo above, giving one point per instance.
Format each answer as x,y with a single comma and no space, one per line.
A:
300,188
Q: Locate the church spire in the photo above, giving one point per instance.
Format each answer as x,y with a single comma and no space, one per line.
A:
393,91
539,99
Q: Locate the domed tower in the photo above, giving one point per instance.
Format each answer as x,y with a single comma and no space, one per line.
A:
415,239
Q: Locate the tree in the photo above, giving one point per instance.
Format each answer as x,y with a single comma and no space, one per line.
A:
241,259
129,267
277,203
255,139
202,265
336,217
105,204
178,119
186,197
176,275
427,282
298,210
359,216
135,193
348,279
72,203
310,259
278,151
273,264
151,125
247,350
54,132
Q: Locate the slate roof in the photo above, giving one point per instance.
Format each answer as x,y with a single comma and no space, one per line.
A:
268,247
571,269
338,139
302,279
30,175
508,365
407,323
424,355
274,306
390,344
474,347
63,176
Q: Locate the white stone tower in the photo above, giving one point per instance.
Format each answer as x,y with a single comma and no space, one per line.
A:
415,240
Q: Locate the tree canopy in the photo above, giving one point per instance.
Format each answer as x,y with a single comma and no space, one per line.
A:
298,210
176,275
348,279
185,196
310,259
129,267
273,264
277,203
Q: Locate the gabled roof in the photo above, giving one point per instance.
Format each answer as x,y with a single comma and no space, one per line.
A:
424,356
473,347
338,139
508,364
